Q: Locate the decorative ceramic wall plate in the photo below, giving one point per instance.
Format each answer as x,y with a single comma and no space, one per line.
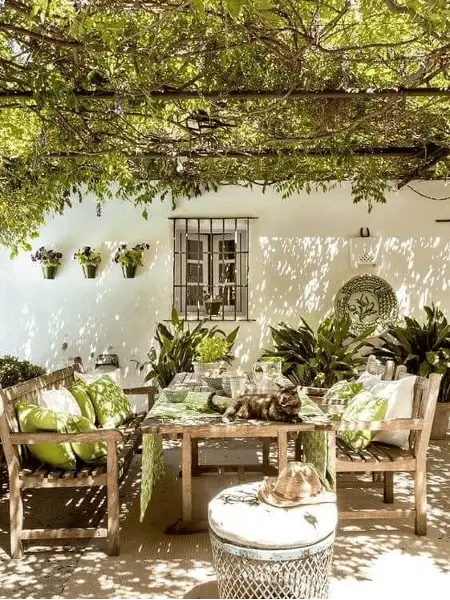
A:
369,301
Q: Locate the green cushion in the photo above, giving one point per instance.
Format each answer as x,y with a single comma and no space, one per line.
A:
111,405
365,406
32,419
80,392
308,407
88,452
343,391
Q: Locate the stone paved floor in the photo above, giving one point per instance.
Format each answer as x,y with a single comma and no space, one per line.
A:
371,560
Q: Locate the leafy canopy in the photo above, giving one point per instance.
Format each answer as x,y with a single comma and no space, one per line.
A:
101,92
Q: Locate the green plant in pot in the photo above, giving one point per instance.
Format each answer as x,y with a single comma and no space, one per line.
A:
89,259
210,355
130,258
213,303
175,348
424,348
320,359
49,259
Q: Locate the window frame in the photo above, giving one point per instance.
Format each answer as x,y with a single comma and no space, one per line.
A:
211,231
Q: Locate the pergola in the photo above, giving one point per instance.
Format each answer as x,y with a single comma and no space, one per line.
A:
182,97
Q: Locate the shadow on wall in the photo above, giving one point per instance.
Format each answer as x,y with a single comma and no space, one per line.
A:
289,277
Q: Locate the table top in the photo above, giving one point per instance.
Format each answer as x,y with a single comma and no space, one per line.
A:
209,425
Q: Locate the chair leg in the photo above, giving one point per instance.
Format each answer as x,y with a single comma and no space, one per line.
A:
15,517
420,492
388,495
113,500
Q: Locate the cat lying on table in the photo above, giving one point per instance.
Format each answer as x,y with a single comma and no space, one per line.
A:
282,405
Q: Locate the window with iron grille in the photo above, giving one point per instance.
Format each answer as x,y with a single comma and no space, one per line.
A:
210,267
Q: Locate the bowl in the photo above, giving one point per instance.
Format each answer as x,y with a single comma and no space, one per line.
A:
176,395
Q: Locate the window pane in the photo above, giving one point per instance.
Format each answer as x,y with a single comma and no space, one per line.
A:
195,273
194,295
194,249
227,249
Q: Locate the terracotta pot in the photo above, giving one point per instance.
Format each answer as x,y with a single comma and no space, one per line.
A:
129,271
49,271
440,421
90,271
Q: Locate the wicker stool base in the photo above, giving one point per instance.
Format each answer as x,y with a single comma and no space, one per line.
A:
293,573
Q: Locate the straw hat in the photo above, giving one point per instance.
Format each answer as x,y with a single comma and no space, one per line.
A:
295,485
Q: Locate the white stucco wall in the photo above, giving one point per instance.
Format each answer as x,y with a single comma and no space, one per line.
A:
299,258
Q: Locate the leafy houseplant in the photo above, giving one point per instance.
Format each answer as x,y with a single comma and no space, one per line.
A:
130,258
89,259
13,370
210,355
49,259
424,348
175,348
213,303
318,359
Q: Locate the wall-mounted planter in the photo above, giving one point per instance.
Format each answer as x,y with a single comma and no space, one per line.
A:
90,271
129,271
49,272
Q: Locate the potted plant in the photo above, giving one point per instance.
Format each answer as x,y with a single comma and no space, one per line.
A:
213,303
423,348
49,259
175,348
89,259
318,360
130,258
210,355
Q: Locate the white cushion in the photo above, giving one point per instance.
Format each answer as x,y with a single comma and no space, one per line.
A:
399,394
114,373
237,515
60,400
368,379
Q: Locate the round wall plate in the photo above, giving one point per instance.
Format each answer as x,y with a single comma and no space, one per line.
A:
369,301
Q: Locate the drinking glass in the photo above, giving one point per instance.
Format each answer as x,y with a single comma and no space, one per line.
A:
237,385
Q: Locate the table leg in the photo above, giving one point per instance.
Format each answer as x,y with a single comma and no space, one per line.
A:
266,454
282,450
186,481
298,447
194,460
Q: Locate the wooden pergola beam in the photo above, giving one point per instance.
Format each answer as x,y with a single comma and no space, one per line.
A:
170,94
393,152
431,157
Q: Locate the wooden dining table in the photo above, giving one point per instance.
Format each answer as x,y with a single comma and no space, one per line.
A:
191,428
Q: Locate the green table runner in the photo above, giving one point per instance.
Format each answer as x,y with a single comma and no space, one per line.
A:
315,445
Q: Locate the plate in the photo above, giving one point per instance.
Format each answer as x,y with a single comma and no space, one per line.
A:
369,301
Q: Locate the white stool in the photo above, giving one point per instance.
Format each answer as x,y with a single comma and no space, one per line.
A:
261,551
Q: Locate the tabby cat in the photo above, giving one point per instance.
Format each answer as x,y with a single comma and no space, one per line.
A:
283,405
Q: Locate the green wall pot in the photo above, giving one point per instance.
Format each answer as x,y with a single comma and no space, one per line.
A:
49,272
90,271
128,271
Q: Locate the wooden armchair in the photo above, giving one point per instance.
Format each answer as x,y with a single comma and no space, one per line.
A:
387,460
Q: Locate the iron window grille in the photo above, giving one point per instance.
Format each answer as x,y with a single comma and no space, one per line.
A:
210,267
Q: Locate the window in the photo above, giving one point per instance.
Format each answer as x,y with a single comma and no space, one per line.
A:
210,269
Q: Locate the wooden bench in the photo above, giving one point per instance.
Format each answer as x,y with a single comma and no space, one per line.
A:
383,459
25,472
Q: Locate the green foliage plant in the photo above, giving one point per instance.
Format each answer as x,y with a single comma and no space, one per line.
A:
130,257
422,346
47,257
13,370
175,348
88,256
211,349
318,359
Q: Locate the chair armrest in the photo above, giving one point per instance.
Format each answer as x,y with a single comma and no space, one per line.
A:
144,390
101,435
391,425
